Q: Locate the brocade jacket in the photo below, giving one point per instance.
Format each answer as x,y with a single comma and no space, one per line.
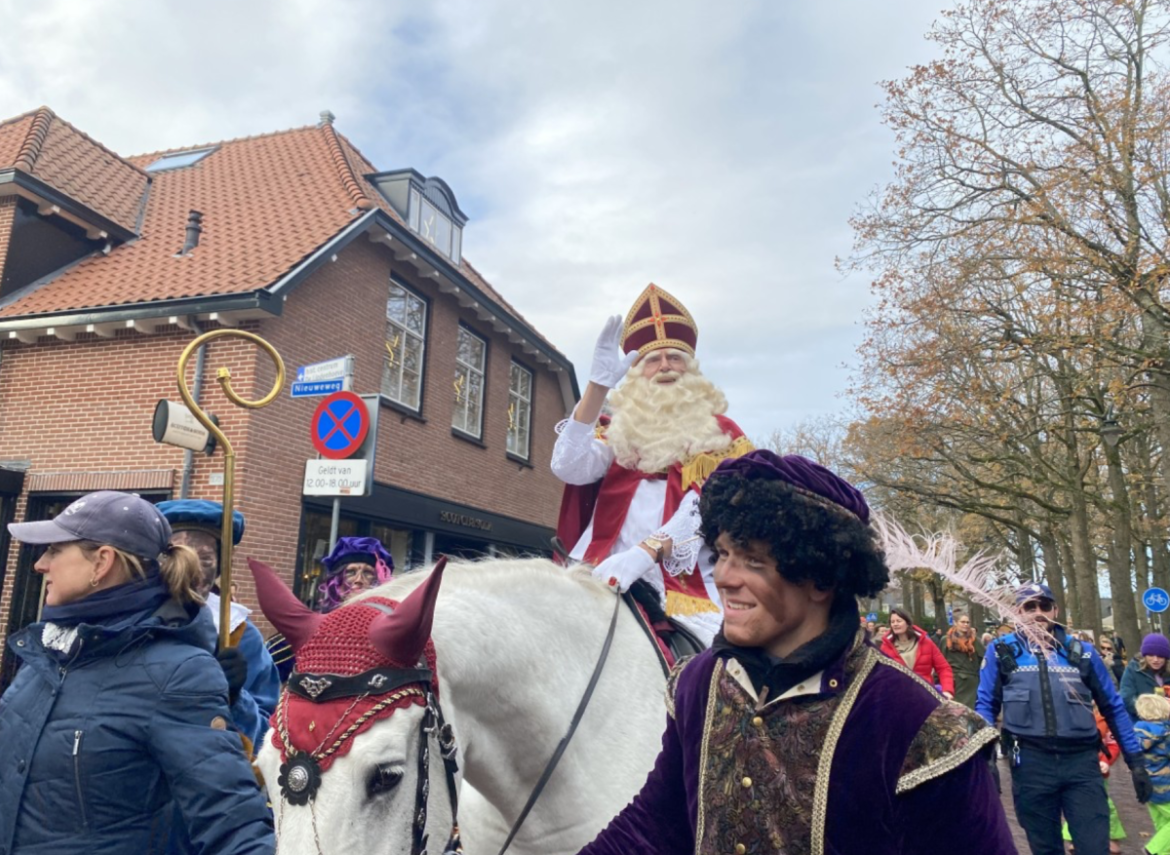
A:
863,757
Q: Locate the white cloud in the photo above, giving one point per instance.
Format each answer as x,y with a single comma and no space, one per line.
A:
597,146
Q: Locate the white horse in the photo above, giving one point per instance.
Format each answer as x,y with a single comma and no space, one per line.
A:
516,642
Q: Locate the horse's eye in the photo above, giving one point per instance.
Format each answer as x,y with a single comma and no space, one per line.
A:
383,779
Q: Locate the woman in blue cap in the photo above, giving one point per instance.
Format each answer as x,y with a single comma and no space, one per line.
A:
118,718
355,564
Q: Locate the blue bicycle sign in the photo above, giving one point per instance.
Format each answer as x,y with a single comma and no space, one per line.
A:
1156,600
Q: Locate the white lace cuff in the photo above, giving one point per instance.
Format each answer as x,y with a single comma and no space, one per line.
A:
683,531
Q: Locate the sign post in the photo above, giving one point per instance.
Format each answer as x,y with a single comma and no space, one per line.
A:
1156,601
344,432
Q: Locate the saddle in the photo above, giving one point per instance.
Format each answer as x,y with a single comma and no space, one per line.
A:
672,641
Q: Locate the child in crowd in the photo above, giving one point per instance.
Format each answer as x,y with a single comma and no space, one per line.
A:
1110,751
1154,732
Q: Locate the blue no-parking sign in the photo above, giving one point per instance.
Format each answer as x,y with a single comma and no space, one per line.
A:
340,425
1156,600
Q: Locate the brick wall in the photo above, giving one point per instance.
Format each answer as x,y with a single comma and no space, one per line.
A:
86,406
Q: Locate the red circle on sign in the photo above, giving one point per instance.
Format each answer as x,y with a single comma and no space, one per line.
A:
340,425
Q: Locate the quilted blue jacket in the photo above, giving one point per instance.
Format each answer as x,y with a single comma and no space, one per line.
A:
101,745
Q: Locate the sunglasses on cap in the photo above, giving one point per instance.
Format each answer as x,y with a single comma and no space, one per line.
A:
1039,605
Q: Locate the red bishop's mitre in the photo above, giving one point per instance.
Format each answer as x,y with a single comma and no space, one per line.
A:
657,320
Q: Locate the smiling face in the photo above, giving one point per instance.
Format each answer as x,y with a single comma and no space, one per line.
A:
760,607
898,626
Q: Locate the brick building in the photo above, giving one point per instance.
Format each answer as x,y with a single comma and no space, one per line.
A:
110,266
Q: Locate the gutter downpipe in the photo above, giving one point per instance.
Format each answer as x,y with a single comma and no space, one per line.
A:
196,391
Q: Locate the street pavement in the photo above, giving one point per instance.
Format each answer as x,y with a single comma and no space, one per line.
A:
1134,816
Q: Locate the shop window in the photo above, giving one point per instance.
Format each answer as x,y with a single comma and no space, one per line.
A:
470,362
406,324
398,542
314,547
519,410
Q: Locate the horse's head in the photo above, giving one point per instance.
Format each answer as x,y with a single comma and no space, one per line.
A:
357,758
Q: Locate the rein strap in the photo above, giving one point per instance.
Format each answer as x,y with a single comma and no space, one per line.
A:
577,716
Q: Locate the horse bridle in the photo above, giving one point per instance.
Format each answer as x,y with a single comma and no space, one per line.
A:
300,774
396,684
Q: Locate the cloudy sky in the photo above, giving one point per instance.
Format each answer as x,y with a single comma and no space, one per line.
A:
716,149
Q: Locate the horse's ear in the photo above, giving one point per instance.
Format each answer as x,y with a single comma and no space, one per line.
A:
292,618
402,635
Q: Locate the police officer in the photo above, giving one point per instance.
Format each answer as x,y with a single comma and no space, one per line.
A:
1049,732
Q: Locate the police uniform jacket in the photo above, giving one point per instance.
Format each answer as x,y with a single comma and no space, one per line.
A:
1047,701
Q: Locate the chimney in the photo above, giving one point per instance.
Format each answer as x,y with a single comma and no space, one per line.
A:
326,118
194,228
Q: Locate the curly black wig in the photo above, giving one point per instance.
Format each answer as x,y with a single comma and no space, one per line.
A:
810,540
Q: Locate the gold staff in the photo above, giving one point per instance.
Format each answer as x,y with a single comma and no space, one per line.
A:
224,376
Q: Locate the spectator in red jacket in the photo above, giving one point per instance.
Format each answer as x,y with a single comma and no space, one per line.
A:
913,647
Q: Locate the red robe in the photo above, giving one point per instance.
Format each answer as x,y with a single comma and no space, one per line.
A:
607,502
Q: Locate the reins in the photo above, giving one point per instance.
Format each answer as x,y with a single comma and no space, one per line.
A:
577,716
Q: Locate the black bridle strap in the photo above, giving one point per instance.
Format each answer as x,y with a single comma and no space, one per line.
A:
577,716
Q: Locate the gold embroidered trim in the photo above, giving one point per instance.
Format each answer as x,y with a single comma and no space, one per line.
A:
672,682
678,603
953,760
900,666
697,469
708,723
825,765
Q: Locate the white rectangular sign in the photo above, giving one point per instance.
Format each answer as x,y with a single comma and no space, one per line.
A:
330,369
335,477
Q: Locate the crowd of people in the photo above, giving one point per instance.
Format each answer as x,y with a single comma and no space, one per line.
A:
129,727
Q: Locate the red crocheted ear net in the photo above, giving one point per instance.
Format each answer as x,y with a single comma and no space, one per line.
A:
341,646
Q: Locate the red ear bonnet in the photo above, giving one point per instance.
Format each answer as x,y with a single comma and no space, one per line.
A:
292,618
402,635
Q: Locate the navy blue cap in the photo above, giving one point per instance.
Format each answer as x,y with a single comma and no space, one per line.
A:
201,514
122,520
1033,591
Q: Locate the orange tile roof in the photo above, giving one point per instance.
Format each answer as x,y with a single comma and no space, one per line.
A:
49,148
268,202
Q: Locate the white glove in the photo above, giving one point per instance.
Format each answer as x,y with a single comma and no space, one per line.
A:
623,569
609,364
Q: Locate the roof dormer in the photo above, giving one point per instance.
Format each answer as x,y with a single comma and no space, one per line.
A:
428,207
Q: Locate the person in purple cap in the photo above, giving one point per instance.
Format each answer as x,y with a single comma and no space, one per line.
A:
1146,674
781,737
356,564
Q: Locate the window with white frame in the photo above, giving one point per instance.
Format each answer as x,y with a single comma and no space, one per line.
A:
406,330
470,360
519,410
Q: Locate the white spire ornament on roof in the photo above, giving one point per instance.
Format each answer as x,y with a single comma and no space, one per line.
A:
977,578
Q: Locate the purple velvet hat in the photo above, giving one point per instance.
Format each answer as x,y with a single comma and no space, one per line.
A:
800,472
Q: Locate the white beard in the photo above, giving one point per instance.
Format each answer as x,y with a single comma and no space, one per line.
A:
656,425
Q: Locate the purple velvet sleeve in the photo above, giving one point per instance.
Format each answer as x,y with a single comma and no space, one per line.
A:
958,813
656,821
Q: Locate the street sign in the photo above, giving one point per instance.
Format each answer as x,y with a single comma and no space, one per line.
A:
335,477
339,425
1156,600
322,378
321,387
872,617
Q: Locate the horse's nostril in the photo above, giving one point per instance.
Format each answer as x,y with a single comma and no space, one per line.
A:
383,779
